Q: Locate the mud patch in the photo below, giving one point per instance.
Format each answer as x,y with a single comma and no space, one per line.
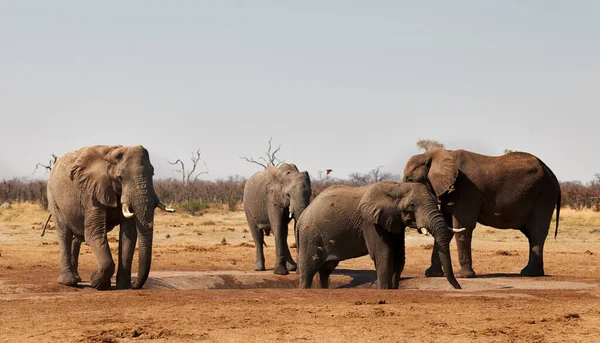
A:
114,335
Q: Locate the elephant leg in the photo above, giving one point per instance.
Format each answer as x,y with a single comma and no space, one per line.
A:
280,235
310,263
259,241
325,271
279,226
463,244
536,237
435,269
75,248
382,255
399,259
95,236
290,263
127,240
65,240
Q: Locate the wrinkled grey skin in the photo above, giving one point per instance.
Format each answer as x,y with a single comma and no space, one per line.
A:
272,198
86,193
346,222
516,190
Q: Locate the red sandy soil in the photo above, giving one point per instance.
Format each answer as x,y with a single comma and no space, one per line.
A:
203,290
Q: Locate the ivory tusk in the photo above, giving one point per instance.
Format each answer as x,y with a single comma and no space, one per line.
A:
459,230
424,231
126,212
165,207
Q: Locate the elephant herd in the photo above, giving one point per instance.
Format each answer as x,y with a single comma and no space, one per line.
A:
444,192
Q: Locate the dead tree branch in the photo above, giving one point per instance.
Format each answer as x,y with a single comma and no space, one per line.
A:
271,159
196,158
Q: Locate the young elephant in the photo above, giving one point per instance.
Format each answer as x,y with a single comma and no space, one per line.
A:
346,222
271,199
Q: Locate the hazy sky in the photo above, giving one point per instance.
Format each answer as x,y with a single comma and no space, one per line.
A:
345,85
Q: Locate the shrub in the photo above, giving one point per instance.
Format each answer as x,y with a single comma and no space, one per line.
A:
193,206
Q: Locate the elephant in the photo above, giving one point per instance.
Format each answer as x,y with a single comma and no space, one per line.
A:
345,222
90,191
516,190
273,197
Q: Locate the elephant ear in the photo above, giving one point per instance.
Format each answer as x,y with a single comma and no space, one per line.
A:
90,170
442,171
379,207
275,188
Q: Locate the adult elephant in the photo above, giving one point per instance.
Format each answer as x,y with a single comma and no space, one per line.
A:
345,222
90,191
516,190
272,198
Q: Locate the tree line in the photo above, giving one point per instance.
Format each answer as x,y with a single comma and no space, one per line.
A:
192,193
229,191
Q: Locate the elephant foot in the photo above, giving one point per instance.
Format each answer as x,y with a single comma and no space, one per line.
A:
259,267
67,279
467,273
434,271
291,266
77,277
98,283
532,271
123,285
281,270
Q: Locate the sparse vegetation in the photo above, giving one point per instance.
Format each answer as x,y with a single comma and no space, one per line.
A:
193,206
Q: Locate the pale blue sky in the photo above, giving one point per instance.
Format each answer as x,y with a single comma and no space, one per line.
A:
345,85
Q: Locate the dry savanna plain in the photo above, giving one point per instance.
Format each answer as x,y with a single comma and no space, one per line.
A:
202,288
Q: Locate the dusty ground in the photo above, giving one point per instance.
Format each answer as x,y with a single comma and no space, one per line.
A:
201,288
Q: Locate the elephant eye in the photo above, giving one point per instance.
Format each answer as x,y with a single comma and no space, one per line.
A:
408,179
410,207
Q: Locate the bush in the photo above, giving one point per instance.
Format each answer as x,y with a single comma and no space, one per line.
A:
193,206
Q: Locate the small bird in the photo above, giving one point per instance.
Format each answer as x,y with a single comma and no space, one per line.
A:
328,171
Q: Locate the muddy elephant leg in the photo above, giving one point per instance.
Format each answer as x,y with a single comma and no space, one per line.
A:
382,255
127,240
280,235
325,271
95,236
259,241
310,264
290,263
65,240
75,249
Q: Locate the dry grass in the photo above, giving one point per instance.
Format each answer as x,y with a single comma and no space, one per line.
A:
572,217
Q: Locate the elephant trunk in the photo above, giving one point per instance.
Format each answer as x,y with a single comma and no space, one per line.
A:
145,258
143,200
436,224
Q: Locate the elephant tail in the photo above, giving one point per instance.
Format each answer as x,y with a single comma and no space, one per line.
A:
46,224
557,213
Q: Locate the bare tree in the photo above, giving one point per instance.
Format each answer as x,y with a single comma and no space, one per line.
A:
270,161
186,177
47,167
427,144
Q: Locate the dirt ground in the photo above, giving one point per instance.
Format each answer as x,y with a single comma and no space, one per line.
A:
202,288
